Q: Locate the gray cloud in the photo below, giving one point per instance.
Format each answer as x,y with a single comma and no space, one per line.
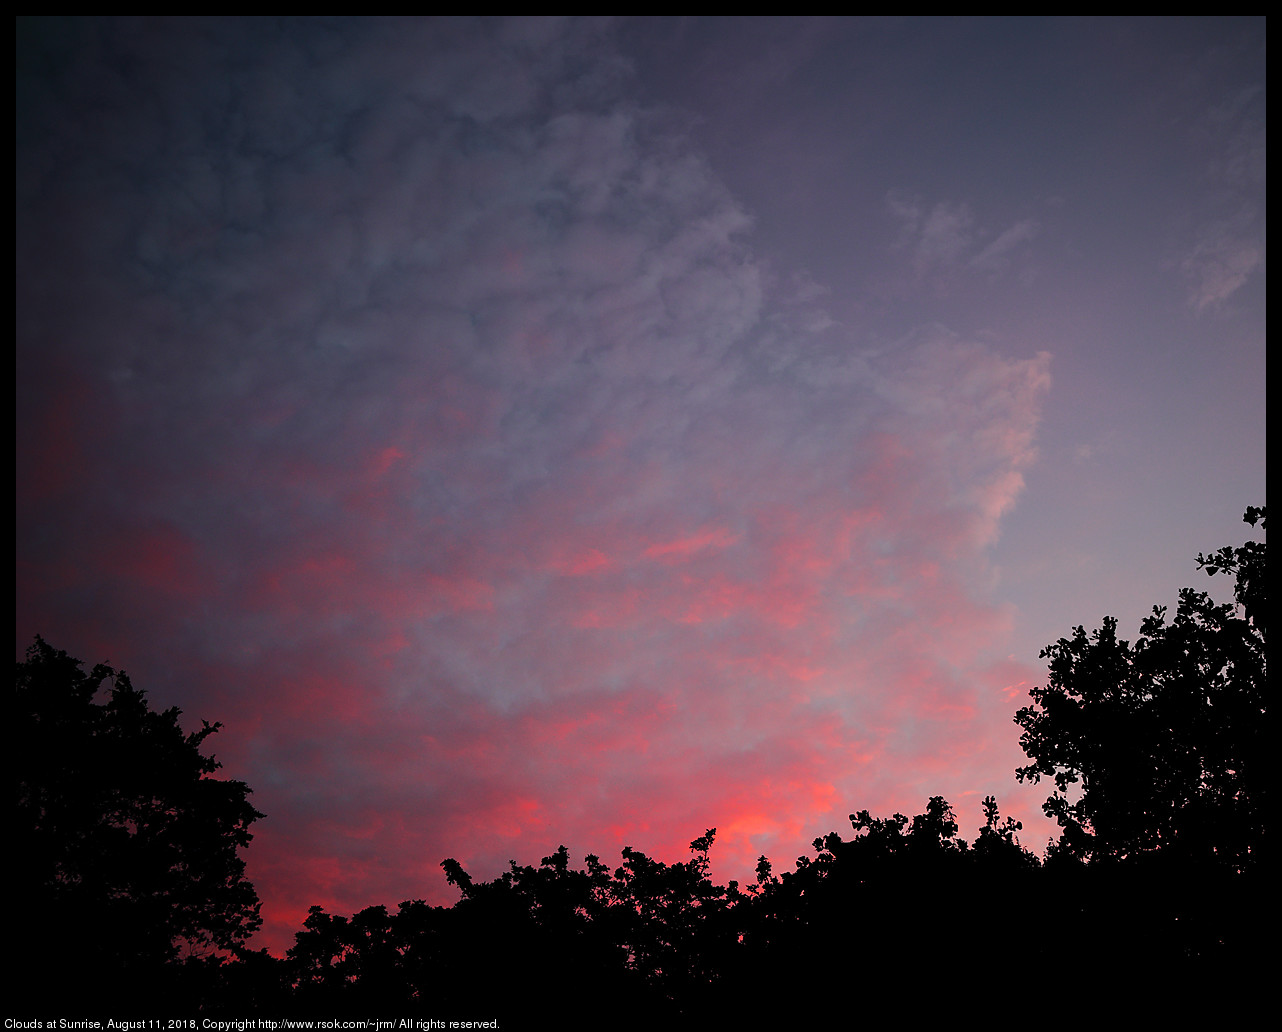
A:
945,237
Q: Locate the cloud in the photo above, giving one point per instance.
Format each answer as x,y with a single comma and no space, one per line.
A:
995,257
1227,245
437,429
945,237
938,237
1219,265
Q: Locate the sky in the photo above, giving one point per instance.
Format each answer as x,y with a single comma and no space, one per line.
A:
593,432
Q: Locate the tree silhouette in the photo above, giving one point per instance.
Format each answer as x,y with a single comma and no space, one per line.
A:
902,913
125,848
1159,755
1161,745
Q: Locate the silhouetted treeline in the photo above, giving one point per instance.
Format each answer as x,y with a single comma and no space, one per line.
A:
1151,906
903,914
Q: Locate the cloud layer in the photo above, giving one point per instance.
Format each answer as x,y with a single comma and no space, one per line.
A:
405,397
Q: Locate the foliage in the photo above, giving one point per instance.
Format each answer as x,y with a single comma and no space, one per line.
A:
679,949
655,934
123,841
1160,746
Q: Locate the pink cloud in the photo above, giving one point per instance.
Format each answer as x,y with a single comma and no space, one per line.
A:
490,499
679,549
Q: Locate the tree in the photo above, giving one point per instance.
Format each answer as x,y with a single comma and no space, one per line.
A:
997,844
1160,747
126,848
